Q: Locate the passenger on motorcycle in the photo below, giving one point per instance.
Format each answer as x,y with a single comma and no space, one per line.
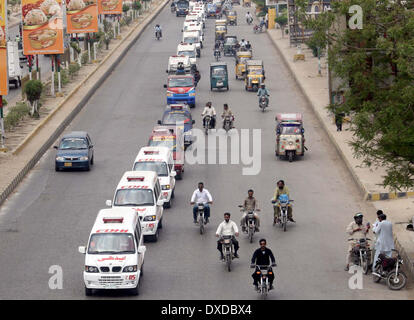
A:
262,257
243,44
250,204
209,111
158,29
262,23
263,92
248,45
201,195
356,231
227,112
281,189
197,77
227,228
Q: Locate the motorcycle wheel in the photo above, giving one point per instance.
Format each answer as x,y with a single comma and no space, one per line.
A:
365,264
251,234
284,224
228,261
396,281
375,278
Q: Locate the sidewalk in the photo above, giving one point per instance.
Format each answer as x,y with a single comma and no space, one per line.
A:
315,90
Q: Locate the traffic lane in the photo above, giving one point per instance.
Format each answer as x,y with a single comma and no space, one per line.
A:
119,119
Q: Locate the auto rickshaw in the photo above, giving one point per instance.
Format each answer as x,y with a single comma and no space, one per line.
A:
247,3
230,43
241,58
255,75
219,77
232,18
221,31
290,138
221,22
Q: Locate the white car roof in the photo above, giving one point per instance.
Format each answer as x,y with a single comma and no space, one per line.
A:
138,180
115,220
153,154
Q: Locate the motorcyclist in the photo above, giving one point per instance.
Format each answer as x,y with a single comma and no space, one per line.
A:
227,112
197,77
243,43
248,46
281,189
262,23
250,204
249,17
201,195
356,231
209,111
262,257
158,29
263,92
227,228
217,45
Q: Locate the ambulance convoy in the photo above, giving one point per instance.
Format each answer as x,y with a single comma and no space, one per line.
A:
115,251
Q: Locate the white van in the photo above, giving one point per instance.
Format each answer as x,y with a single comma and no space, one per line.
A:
114,255
196,28
194,17
190,51
15,71
173,63
141,191
160,160
193,37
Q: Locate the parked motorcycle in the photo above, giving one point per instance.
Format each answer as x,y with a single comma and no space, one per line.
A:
361,254
283,203
227,123
200,213
264,285
227,244
263,102
389,269
257,28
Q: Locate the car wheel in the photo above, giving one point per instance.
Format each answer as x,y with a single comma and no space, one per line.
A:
160,224
88,292
179,176
57,169
92,161
167,205
135,291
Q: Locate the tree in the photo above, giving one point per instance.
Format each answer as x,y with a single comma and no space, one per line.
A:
376,68
33,90
282,21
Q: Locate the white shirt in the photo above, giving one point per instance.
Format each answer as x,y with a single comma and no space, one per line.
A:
201,196
209,111
385,238
227,228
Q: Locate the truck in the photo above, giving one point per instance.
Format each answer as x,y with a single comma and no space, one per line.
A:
15,70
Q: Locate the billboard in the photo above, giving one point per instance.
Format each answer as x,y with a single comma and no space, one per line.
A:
82,16
42,27
110,6
3,48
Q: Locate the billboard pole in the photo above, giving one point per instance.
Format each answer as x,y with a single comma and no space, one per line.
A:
3,148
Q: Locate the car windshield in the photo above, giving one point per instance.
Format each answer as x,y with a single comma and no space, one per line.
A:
111,243
191,39
159,167
73,143
169,143
218,72
255,71
231,40
188,53
220,28
174,117
134,197
182,5
180,82
291,130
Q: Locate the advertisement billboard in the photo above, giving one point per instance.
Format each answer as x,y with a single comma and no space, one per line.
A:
3,48
82,16
110,6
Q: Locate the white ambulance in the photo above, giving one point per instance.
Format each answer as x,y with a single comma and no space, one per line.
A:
160,160
114,255
173,64
190,51
193,37
141,191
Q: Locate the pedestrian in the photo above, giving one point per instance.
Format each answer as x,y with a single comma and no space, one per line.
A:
267,20
385,238
339,117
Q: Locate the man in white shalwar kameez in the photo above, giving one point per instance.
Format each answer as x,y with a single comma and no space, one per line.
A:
385,238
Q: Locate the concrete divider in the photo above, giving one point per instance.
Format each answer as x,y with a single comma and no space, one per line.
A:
61,127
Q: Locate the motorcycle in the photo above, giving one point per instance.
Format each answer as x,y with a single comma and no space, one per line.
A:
173,9
217,54
227,123
283,203
264,285
227,245
200,212
207,124
257,28
249,20
389,270
158,35
250,223
263,102
361,254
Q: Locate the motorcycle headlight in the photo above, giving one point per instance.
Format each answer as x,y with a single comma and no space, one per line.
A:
150,218
166,187
60,159
130,268
83,158
91,269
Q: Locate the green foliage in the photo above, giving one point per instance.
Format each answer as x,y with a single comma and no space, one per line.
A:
75,46
33,90
281,20
4,102
376,68
15,115
125,8
107,26
63,77
85,57
73,69
136,5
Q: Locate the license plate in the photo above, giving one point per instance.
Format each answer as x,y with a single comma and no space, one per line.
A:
68,164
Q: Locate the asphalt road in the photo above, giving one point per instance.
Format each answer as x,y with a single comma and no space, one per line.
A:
51,213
